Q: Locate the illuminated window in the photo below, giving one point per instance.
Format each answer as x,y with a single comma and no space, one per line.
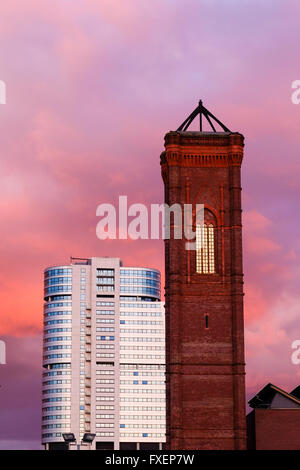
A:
205,249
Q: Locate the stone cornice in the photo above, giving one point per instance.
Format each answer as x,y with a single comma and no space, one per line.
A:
196,149
223,139
183,160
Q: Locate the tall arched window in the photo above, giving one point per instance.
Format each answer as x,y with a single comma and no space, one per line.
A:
205,249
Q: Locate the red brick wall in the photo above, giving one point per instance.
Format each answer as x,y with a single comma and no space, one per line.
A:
205,367
277,429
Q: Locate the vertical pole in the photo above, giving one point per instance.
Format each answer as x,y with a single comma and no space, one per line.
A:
200,114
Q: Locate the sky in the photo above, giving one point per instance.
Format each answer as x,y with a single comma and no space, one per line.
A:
91,90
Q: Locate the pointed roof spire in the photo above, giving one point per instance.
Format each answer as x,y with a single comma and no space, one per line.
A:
202,111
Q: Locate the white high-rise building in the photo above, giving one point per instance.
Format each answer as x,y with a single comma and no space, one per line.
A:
103,355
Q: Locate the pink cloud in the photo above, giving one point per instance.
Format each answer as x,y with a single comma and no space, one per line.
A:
91,90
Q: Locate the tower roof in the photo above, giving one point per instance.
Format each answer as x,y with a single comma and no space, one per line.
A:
202,112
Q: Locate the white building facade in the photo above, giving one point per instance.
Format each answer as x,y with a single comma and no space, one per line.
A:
103,355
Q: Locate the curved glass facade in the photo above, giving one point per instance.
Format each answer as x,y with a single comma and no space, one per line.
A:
57,280
57,353
140,281
98,319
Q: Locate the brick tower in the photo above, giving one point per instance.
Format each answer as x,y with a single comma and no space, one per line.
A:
204,290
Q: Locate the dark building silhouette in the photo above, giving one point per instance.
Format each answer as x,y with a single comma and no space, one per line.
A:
296,392
274,422
204,290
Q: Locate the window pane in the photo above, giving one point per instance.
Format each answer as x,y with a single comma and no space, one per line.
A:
205,251
211,249
198,249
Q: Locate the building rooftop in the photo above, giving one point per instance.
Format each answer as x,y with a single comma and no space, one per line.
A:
201,133
296,392
265,398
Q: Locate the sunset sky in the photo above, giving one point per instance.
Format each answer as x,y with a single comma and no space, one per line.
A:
92,88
